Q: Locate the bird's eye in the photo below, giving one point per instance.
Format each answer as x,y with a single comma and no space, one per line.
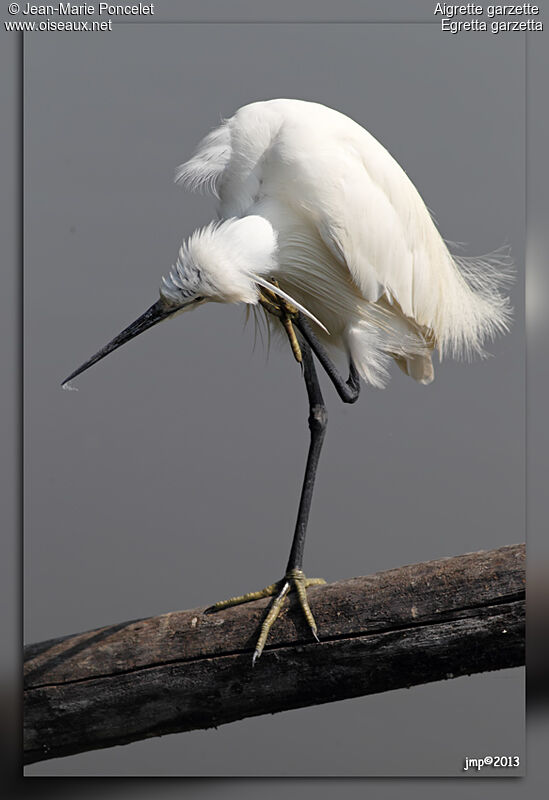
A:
198,299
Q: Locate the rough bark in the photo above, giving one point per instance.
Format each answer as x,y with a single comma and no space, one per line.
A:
187,670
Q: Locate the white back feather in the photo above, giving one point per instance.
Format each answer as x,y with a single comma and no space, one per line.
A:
202,172
357,246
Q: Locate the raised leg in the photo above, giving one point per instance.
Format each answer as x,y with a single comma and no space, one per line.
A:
349,389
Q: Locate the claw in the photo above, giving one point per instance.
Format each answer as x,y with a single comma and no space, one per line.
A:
285,311
294,579
270,619
268,591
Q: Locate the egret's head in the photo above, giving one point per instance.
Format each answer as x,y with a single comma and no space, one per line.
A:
222,262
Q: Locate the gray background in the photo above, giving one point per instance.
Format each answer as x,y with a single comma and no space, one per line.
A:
421,473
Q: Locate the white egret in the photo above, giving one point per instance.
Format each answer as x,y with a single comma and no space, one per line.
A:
317,219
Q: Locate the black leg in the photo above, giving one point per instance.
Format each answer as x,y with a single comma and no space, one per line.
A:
318,420
348,390
294,577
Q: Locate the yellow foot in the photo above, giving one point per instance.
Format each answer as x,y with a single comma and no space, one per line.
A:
286,312
294,579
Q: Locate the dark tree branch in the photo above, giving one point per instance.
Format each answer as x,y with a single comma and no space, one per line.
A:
186,670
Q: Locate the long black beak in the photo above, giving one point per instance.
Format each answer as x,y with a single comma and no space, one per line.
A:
156,313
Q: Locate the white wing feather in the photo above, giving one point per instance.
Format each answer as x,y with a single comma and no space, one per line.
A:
203,171
308,168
